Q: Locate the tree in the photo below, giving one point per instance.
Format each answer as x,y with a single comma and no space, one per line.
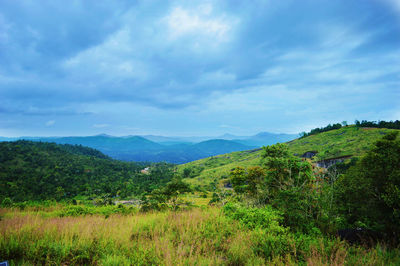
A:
251,182
290,181
159,198
369,193
285,170
285,182
187,171
238,179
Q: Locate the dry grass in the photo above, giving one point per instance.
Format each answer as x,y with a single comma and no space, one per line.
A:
170,238
196,237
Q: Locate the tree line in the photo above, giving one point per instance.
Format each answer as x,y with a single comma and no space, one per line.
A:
363,123
379,124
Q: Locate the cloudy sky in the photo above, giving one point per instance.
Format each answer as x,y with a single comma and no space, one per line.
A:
196,67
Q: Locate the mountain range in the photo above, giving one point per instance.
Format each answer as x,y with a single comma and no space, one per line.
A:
154,148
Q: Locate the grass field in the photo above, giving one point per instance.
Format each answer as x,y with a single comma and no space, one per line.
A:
348,140
201,236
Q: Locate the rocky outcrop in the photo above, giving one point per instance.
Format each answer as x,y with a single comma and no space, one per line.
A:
309,154
332,161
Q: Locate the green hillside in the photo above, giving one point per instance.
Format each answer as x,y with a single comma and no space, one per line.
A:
40,170
346,141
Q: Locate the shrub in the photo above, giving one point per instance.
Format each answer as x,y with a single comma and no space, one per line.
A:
256,218
7,202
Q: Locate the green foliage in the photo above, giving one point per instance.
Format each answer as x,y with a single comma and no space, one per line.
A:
238,179
175,188
369,193
379,124
284,170
256,218
345,141
289,183
167,196
239,236
286,183
7,202
40,171
82,210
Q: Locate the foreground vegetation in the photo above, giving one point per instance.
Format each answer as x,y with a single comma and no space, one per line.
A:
201,236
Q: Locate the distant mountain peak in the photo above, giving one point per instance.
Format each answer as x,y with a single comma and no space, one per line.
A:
227,135
103,135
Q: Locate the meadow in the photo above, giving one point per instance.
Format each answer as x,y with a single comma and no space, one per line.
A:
199,236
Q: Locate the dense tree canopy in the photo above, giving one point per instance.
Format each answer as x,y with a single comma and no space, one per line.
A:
369,194
40,170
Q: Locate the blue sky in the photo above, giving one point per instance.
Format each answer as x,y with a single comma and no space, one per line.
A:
196,67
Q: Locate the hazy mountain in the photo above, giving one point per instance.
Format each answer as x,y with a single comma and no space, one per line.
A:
155,148
220,146
266,138
182,153
176,140
228,136
108,144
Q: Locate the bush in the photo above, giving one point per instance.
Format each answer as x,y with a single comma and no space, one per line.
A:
7,202
256,218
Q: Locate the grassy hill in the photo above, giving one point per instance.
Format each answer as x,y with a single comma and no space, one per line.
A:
346,141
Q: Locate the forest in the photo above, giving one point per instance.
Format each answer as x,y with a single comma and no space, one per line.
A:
48,171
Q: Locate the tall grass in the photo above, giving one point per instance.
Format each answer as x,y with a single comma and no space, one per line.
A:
195,237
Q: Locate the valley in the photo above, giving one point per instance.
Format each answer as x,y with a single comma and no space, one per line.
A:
71,204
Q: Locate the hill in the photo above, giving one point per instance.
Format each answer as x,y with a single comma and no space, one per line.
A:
349,141
266,138
109,144
151,148
140,149
40,170
218,146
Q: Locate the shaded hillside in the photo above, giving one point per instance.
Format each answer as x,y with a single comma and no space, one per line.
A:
151,148
266,138
109,144
139,149
218,146
345,141
40,170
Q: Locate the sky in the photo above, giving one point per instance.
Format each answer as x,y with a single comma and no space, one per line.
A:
196,68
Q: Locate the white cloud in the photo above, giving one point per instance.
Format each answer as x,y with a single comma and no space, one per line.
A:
395,4
100,125
111,60
198,21
50,123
